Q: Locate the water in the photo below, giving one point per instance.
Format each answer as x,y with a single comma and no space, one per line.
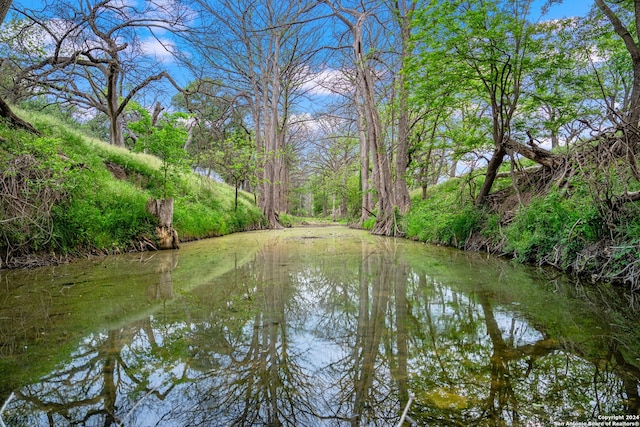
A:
313,326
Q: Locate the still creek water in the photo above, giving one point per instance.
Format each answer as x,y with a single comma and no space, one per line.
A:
313,326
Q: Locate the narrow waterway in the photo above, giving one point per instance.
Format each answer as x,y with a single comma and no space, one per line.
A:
313,326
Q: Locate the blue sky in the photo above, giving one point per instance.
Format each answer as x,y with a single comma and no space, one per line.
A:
568,8
561,9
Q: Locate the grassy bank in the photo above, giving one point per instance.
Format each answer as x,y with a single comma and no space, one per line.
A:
563,228
65,194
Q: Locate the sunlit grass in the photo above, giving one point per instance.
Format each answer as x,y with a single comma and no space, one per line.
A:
103,212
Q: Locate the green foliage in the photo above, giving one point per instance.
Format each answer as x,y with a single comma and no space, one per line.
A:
444,217
286,220
220,140
99,194
552,228
208,209
368,223
335,185
33,179
165,140
196,219
103,214
553,225
233,157
446,221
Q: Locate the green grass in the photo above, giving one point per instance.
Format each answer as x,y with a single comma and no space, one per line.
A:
553,224
548,224
97,211
566,229
446,216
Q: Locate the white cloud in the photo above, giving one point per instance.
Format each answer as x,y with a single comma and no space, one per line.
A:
304,122
328,82
161,49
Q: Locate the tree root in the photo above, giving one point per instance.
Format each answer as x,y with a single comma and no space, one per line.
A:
14,120
28,194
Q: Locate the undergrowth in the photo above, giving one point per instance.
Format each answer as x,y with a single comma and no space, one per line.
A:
90,207
564,229
446,216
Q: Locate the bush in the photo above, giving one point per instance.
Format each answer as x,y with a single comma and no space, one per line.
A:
34,179
285,220
369,223
104,214
195,220
428,223
552,226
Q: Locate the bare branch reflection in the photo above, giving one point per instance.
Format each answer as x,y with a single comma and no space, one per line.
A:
306,332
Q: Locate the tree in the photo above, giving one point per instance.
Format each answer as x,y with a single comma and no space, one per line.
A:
632,44
95,56
559,90
219,141
263,52
366,59
5,110
482,49
234,159
164,138
334,161
403,12
610,69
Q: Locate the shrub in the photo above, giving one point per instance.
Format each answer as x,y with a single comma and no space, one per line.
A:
285,220
552,224
369,223
103,214
447,216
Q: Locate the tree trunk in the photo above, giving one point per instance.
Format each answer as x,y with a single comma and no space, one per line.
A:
343,202
385,220
235,200
162,209
367,199
4,9
633,115
115,131
404,12
15,121
401,192
537,154
385,224
155,116
113,108
490,177
273,139
555,141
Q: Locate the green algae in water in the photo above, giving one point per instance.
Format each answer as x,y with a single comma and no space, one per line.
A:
313,326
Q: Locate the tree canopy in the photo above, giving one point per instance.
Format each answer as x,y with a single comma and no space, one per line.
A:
355,104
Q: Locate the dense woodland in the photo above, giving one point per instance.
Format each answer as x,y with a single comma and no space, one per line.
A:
355,110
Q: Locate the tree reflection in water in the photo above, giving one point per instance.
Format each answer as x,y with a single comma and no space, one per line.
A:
312,332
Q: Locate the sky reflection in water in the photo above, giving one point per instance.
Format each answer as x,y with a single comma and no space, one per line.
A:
303,327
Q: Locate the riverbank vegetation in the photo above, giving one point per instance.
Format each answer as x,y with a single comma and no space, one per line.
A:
498,125
67,194
565,228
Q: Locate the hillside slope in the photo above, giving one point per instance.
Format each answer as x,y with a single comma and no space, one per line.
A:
64,195
564,227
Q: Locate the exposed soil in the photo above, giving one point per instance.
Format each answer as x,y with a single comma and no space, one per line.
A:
607,168
116,170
